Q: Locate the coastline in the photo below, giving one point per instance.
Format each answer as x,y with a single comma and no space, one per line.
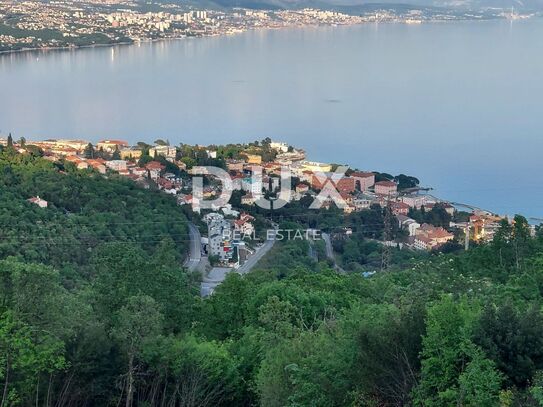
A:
240,31
69,48
166,39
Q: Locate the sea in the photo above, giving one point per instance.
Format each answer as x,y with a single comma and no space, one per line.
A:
459,104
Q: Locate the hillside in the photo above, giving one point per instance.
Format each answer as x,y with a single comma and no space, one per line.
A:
96,311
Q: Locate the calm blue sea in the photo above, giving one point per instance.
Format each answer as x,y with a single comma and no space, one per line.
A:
457,104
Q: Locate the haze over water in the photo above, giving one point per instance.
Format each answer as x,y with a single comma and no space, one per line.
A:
456,104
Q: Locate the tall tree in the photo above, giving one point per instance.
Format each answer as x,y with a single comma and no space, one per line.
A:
479,383
89,151
116,154
138,321
513,340
443,353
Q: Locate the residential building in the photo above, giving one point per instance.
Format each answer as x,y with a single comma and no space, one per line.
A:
429,237
314,166
279,146
344,184
234,165
400,208
116,165
130,153
184,199
253,159
228,211
155,169
348,198
416,201
364,180
362,202
140,172
290,157
219,236
406,223
79,162
76,146
386,188
243,225
111,145
98,164
167,152
252,185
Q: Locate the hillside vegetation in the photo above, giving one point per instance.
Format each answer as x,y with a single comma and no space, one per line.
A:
96,310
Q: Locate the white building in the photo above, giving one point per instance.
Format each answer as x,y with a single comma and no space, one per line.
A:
116,165
167,152
279,146
417,201
219,236
252,185
406,223
362,202
42,203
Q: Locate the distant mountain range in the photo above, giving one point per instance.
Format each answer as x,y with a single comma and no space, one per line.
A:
354,5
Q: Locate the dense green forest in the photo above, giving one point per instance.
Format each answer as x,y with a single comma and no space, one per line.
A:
96,310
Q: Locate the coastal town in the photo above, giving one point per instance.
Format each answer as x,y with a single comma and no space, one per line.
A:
271,203
38,25
228,235
33,24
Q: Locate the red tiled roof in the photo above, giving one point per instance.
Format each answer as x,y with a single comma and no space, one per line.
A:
400,205
96,162
154,165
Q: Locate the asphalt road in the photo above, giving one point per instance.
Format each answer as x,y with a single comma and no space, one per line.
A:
217,274
194,260
255,258
213,279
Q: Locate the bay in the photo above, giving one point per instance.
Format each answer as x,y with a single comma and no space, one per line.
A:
458,104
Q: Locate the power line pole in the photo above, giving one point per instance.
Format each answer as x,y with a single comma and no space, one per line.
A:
466,241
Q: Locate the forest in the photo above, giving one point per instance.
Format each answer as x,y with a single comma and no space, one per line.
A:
97,310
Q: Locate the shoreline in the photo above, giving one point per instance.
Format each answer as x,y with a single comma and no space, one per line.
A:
241,31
